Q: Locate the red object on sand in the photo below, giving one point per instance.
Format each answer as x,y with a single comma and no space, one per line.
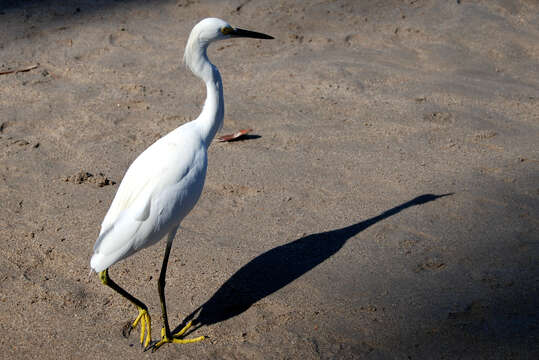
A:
234,136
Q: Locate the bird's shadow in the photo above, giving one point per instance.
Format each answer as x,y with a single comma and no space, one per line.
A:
281,265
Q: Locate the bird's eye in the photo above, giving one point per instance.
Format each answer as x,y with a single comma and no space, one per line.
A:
226,30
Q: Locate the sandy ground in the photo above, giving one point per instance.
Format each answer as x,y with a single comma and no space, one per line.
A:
315,239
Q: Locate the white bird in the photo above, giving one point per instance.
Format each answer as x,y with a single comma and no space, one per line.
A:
164,183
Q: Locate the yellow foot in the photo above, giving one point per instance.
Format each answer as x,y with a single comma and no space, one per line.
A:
145,324
176,338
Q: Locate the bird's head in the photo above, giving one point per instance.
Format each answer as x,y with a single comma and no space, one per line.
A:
206,32
213,29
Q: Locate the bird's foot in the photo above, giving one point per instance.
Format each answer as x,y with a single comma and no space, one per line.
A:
176,338
145,324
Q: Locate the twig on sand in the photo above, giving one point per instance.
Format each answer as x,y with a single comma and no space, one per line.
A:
14,71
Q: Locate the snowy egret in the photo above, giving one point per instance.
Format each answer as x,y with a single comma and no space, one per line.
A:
164,183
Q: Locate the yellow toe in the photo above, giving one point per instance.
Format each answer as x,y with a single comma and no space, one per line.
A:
145,326
187,341
176,338
185,328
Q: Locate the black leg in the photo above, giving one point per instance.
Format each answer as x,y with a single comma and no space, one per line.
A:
143,316
166,336
106,280
162,281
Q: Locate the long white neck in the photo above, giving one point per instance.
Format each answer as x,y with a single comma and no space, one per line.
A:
210,119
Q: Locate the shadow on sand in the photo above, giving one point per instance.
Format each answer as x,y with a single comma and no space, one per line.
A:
281,265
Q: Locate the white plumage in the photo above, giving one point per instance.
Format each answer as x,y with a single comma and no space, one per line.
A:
164,183
158,190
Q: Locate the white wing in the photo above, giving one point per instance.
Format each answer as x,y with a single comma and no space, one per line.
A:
147,174
162,165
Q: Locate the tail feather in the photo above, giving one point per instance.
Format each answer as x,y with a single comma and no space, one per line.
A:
115,243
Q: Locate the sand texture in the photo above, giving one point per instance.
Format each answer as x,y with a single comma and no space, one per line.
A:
385,205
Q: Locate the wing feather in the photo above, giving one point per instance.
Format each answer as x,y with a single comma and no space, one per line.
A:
160,168
147,174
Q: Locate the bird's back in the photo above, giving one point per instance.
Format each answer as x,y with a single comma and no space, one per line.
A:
160,188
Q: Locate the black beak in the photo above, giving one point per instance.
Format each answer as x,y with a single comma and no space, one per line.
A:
249,34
